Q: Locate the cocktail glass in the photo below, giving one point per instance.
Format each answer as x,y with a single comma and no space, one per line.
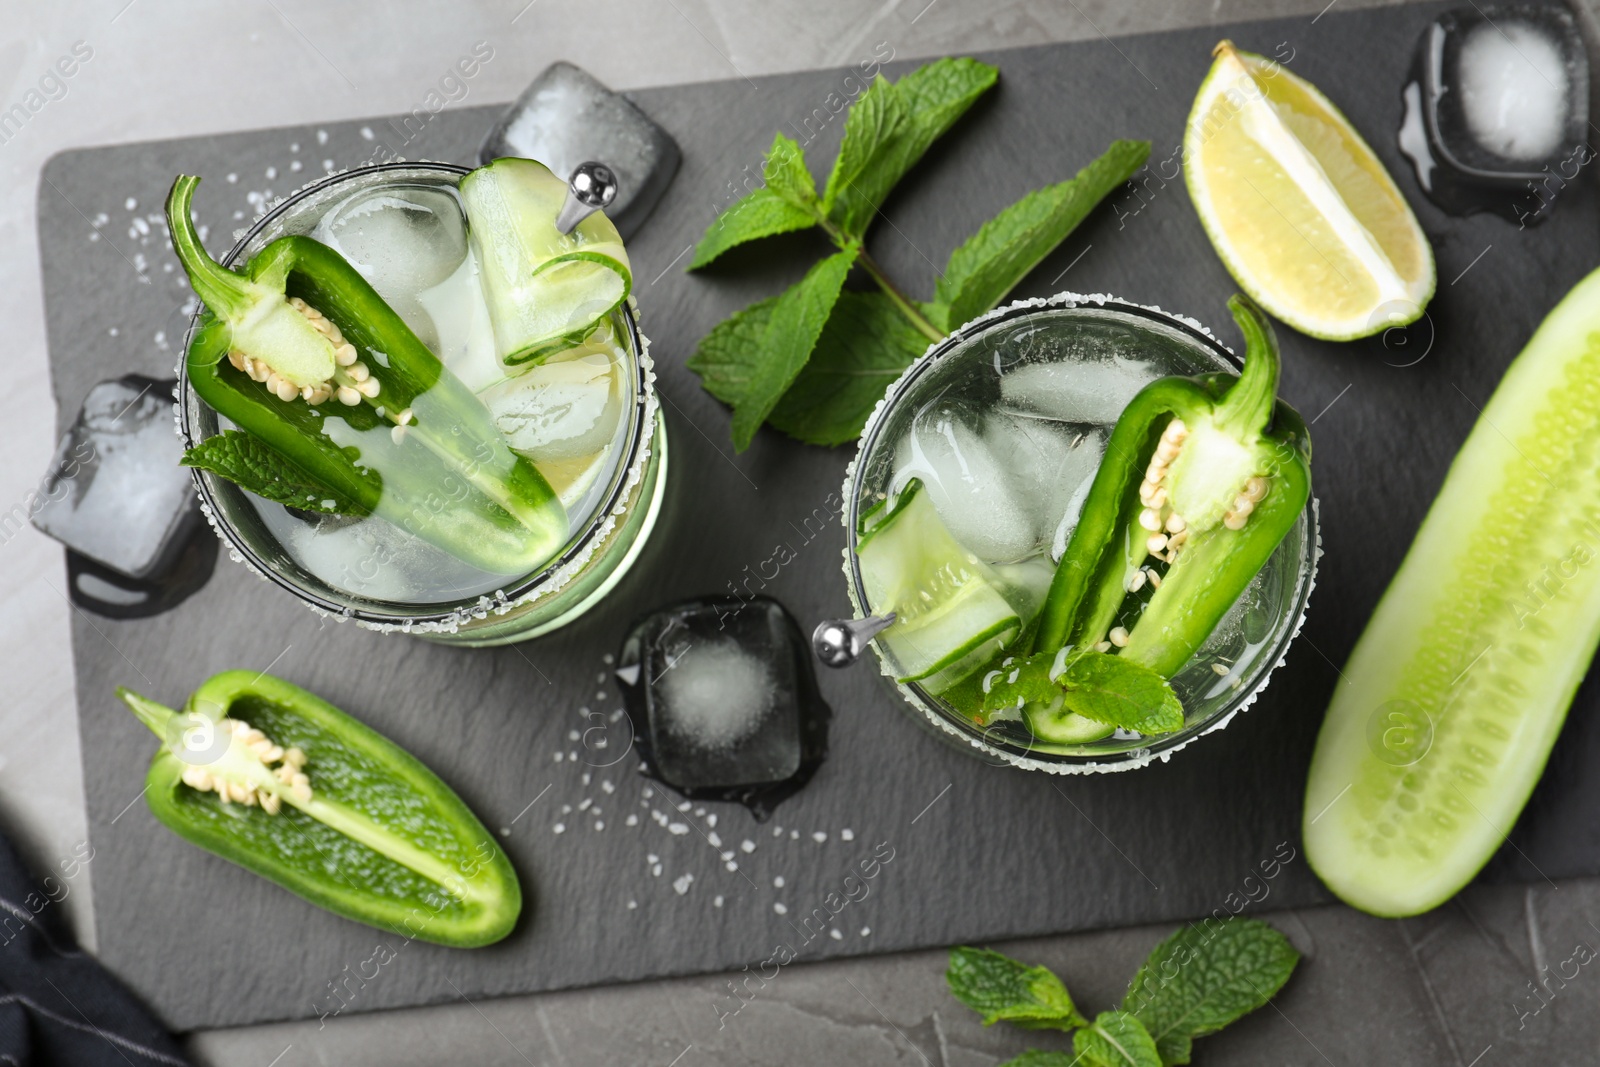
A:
1074,362
382,577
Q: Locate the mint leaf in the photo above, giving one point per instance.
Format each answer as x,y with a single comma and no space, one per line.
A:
788,202
865,346
1120,692
749,360
999,987
787,175
761,214
992,261
871,122
1115,1039
1022,681
933,98
257,467
1097,685
1204,977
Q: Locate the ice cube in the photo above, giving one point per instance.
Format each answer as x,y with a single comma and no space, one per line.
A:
463,336
403,241
1078,391
1514,90
724,698
1497,110
567,117
1048,465
968,486
116,492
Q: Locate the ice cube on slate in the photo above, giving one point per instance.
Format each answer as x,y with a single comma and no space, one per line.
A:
567,117
1497,109
721,692
116,492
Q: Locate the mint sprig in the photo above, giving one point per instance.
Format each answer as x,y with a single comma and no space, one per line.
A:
1204,977
999,988
1194,983
751,364
253,465
1097,685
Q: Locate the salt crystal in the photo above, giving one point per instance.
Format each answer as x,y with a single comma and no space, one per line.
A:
716,902
322,136
747,845
631,820
560,827
366,133
819,837
865,930
655,871
836,935
130,203
847,834
777,883
607,787
678,829
781,908
716,842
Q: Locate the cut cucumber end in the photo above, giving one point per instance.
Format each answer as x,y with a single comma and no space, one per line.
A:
1459,686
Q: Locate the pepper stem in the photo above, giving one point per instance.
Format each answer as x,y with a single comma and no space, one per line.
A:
227,294
1246,408
157,717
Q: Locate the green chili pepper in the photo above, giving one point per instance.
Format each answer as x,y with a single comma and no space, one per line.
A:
1203,478
284,784
300,352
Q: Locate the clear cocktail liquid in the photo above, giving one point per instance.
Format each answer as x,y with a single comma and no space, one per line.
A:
1006,432
569,415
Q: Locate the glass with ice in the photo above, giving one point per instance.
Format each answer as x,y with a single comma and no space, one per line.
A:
1000,431
584,416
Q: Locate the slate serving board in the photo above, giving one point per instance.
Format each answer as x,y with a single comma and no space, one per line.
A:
978,852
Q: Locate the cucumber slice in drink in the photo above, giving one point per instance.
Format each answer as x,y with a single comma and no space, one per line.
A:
1457,690
1053,723
950,617
545,290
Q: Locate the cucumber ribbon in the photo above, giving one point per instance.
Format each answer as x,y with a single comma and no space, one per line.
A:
372,414
347,819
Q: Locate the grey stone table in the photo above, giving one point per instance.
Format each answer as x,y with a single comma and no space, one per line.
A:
1454,987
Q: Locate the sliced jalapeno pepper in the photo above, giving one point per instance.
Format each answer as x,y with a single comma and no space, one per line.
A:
300,352
284,784
1203,478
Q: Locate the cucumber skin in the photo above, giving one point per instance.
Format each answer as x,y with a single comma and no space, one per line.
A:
1399,885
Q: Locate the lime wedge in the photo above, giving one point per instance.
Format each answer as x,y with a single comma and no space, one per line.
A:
545,290
1301,211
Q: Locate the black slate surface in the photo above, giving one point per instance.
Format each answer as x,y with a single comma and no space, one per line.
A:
978,852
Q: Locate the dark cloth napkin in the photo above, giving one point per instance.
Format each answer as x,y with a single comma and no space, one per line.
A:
57,1005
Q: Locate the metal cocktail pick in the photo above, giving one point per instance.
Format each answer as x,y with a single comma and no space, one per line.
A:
838,642
591,187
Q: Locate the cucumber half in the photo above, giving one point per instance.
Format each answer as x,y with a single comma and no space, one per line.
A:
1455,693
950,616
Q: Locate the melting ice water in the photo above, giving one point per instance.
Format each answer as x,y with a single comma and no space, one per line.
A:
724,700
1514,90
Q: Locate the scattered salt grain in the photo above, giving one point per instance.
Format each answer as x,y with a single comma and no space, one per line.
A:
781,908
559,828
130,203
631,820
777,883
819,837
847,834
836,935
716,902
747,845
677,829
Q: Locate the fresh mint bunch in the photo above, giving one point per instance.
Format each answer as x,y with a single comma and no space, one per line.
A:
814,360
1194,983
